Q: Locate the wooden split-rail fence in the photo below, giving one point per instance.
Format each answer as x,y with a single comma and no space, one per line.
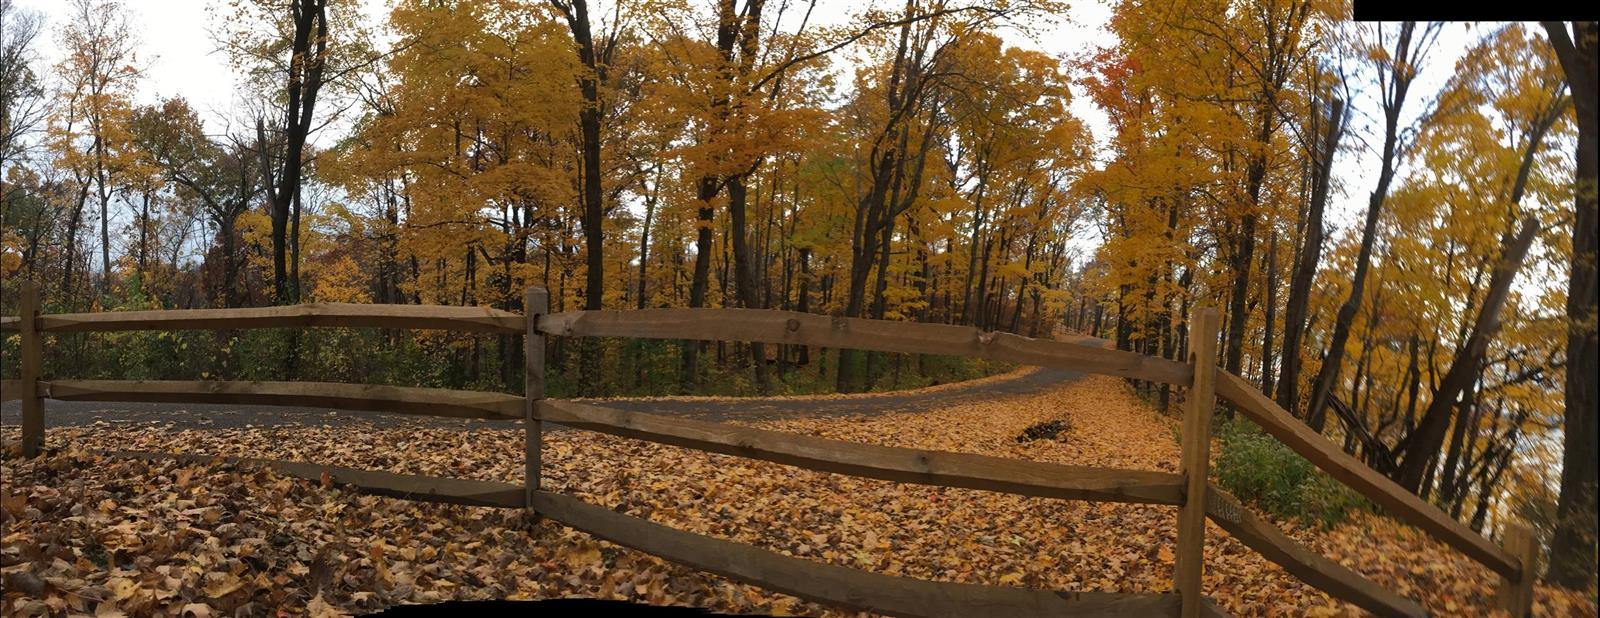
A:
1197,499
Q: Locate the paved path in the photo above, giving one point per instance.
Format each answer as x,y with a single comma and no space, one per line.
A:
223,416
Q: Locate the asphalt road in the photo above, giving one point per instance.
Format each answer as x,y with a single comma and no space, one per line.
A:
222,416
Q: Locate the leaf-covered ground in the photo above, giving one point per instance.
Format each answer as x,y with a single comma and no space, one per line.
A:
86,534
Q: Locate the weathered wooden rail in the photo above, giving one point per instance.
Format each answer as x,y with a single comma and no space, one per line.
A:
1197,499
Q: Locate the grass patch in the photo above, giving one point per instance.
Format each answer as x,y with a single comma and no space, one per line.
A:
1259,469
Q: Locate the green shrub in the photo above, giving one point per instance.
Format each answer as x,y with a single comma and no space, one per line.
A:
1259,469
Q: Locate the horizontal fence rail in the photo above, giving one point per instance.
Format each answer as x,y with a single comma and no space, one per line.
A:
1358,476
967,471
356,397
815,581
476,319
1312,568
830,584
907,337
906,465
844,586
791,327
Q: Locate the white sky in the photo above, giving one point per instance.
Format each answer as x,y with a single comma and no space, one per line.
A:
180,58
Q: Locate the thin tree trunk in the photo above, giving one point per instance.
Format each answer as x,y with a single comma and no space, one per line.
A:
1402,71
803,302
744,275
1465,415
308,49
294,249
144,237
1272,313
1429,435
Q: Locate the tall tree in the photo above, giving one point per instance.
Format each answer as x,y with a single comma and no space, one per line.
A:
98,80
1280,29
595,60
1573,547
1330,117
1396,70
23,104
1423,443
299,55
224,177
308,59
23,108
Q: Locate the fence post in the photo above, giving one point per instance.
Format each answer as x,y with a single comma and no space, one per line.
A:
1195,465
32,367
1517,596
535,303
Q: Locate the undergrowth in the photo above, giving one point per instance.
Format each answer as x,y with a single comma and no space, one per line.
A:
1263,471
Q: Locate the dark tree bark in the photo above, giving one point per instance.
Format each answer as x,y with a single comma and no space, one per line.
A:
73,223
309,49
879,207
1272,313
577,16
1401,71
730,31
143,255
1280,56
700,282
1572,560
744,273
803,300
1424,443
101,178
595,62
294,249
1466,419
1294,320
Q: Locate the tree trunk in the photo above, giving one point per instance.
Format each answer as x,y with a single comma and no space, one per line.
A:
744,274
294,249
1573,546
144,237
1425,442
701,281
308,49
73,223
105,205
1466,415
1272,313
1401,74
230,270
1244,254
803,302
870,219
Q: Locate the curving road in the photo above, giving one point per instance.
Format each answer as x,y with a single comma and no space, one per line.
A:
223,416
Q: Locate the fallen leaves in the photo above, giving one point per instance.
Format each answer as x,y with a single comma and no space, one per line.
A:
86,534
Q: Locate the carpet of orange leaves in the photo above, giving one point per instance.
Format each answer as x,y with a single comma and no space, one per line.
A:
87,534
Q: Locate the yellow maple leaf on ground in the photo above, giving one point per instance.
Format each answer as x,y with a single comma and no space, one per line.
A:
319,608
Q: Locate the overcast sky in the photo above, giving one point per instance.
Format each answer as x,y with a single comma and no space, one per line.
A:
179,58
